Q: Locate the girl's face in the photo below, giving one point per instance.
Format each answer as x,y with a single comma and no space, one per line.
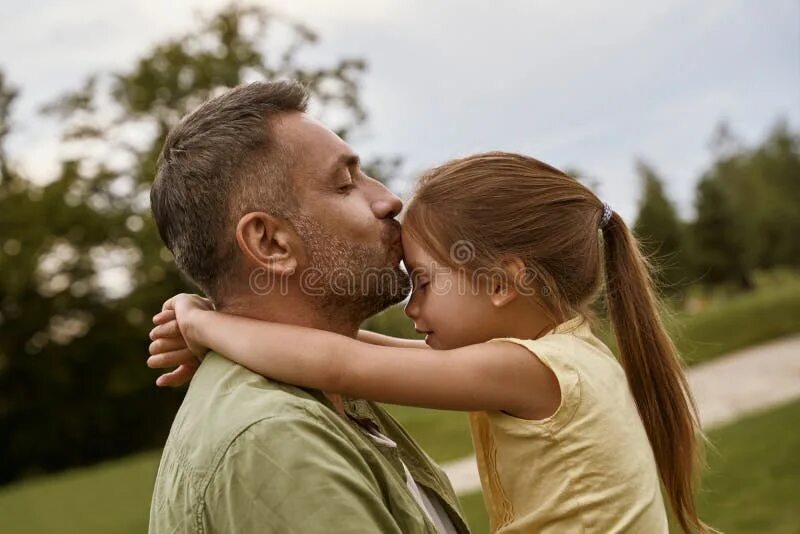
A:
446,304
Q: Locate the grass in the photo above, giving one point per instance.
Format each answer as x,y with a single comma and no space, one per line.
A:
112,498
753,477
475,512
443,435
751,482
740,322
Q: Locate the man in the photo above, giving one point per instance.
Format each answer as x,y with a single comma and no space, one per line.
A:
251,196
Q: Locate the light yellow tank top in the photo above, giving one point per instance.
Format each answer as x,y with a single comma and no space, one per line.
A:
587,468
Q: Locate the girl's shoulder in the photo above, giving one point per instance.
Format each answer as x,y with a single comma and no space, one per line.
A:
581,363
565,341
567,394
574,341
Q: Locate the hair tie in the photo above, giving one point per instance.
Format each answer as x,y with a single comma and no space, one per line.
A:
606,215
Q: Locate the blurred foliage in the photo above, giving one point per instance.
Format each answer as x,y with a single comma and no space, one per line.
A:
746,215
726,321
82,266
718,235
747,208
661,232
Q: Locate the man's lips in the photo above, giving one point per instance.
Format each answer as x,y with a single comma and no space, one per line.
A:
393,233
397,251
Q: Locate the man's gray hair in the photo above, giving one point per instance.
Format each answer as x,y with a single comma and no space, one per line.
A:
219,163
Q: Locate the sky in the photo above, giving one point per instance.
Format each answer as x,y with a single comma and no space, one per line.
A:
582,85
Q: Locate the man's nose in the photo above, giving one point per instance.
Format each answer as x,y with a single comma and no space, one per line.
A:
387,205
411,309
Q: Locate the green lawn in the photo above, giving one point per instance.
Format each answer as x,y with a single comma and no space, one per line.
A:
108,498
738,322
752,481
443,435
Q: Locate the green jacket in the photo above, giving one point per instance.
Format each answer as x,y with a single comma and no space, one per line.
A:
247,454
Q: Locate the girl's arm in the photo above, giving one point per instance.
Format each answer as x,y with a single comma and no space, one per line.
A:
488,376
374,338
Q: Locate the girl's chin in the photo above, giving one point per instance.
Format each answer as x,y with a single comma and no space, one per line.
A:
433,342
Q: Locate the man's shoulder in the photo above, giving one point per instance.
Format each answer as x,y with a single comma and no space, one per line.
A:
236,428
225,399
221,386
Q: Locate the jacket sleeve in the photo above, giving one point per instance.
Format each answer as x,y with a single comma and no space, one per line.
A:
294,474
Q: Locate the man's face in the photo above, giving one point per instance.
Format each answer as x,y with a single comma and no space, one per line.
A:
347,222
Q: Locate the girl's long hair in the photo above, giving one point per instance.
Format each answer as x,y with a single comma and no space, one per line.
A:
504,204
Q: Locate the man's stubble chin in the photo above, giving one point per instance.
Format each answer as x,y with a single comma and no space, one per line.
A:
355,280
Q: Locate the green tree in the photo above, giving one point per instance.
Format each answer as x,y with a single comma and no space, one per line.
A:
718,237
73,384
773,198
7,96
661,232
747,216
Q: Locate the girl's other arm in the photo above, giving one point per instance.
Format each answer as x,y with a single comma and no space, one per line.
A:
374,338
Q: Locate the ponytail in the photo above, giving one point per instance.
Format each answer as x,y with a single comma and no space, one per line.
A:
653,369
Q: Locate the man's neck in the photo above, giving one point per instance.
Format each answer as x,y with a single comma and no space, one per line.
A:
294,312
287,310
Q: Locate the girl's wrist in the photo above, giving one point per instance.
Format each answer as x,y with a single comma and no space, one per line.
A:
193,326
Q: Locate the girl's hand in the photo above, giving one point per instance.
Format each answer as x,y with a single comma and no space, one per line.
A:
168,350
186,307
171,346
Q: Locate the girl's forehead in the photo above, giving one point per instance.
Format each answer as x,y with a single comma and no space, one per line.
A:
415,256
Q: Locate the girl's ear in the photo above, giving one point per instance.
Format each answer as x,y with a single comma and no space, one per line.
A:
504,288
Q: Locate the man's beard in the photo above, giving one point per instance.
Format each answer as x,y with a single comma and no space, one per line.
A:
350,281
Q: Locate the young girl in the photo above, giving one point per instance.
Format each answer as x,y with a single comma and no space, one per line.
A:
506,255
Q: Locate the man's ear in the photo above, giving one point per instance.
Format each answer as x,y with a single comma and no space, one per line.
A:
504,288
268,242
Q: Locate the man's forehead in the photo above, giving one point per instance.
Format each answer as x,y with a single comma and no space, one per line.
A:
314,145
302,130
